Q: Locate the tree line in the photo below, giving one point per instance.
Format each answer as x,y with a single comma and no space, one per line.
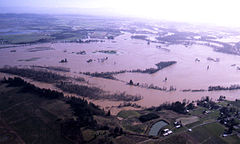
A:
38,75
178,107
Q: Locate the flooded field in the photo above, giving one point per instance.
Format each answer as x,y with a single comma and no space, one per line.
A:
197,67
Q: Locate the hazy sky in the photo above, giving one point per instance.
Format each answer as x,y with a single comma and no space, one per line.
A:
221,12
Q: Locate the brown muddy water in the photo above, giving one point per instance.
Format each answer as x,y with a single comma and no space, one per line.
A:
137,54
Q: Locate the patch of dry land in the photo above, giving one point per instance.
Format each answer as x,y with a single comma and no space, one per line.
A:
188,120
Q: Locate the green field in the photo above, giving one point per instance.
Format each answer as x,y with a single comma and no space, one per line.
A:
212,133
208,132
128,113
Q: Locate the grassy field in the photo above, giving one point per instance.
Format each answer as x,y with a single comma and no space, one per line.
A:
177,139
130,126
130,121
212,115
128,113
205,134
129,139
235,103
198,111
33,118
210,133
188,120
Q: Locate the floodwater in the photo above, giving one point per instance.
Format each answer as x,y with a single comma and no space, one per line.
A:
137,54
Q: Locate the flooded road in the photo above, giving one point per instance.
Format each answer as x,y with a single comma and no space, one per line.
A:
197,67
